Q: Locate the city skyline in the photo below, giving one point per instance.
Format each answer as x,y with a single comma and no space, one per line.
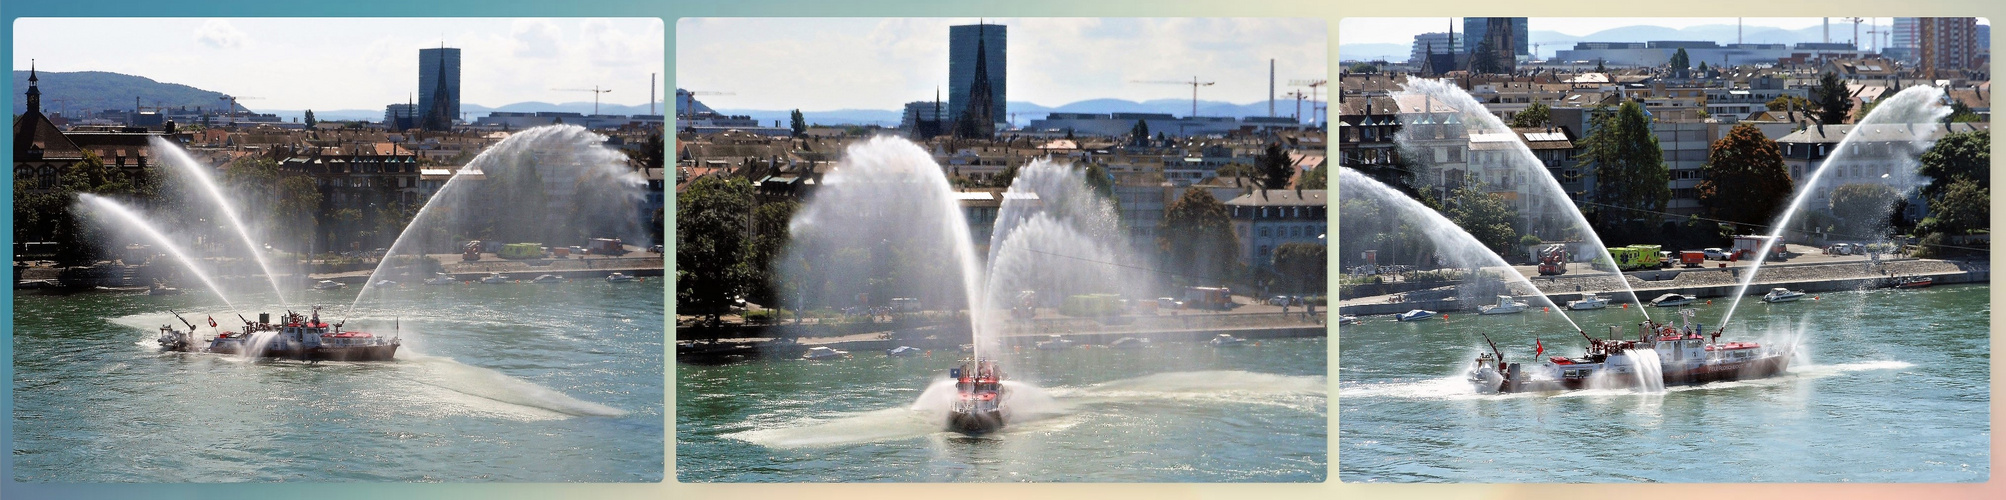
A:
358,63
880,63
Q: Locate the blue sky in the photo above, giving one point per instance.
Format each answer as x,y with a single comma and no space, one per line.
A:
883,63
357,63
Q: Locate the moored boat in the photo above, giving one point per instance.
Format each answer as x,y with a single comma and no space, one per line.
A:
495,278
902,351
620,278
440,279
1589,301
329,285
1780,294
1129,343
1415,315
821,352
1915,282
1673,300
1227,340
1054,343
1505,305
548,278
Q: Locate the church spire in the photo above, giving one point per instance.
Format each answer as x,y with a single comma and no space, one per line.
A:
34,93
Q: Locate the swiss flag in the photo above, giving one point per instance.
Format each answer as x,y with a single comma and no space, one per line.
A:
212,321
1538,348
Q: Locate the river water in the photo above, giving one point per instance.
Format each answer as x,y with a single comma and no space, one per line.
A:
1887,386
517,382
1182,412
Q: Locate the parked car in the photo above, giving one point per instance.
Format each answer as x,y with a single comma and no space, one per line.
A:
1715,254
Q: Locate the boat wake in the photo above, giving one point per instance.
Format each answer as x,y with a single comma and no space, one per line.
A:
482,383
1044,409
1457,388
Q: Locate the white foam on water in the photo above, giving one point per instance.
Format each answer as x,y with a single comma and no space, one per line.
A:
448,374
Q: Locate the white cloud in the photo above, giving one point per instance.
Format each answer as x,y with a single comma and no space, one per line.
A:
220,34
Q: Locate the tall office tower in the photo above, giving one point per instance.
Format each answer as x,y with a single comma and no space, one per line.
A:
962,45
439,71
1947,43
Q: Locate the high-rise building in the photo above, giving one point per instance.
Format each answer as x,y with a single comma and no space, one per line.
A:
1905,36
435,65
962,45
1947,43
1477,29
1439,42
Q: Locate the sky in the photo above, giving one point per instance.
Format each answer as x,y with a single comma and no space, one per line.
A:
879,63
358,63
1402,30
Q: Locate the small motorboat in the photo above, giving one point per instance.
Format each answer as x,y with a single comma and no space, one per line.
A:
1673,300
384,283
548,278
1129,343
439,279
1589,301
1915,282
329,285
820,353
1505,305
495,278
1415,315
1227,340
620,278
902,351
1349,320
1781,295
159,289
1054,343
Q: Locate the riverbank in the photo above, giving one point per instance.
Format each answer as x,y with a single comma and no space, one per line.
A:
1704,283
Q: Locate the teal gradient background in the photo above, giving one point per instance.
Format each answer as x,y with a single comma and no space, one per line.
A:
671,10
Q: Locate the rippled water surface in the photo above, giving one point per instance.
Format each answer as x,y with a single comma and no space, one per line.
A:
1887,386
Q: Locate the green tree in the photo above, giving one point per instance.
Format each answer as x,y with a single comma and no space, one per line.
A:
1964,208
1301,266
1681,62
799,124
1198,238
1959,113
310,122
1599,68
1535,115
1834,102
1315,178
1484,60
1139,134
711,273
1630,173
1362,68
1703,68
1744,179
769,239
1962,156
1484,215
1275,167
1860,211
298,210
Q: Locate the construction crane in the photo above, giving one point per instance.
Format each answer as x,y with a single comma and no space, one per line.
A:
231,109
1312,84
595,90
1194,83
1856,30
1298,96
684,112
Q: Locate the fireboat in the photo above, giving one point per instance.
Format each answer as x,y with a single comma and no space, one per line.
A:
1674,355
978,404
296,336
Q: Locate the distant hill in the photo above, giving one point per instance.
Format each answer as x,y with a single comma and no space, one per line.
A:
98,90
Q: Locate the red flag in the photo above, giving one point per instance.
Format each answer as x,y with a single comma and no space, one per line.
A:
1538,347
212,321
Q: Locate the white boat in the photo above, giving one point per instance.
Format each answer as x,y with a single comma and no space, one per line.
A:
1673,300
1781,295
1505,305
1226,340
815,353
384,283
1054,343
439,279
902,351
548,278
1415,315
329,285
619,278
495,278
1348,320
1588,301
